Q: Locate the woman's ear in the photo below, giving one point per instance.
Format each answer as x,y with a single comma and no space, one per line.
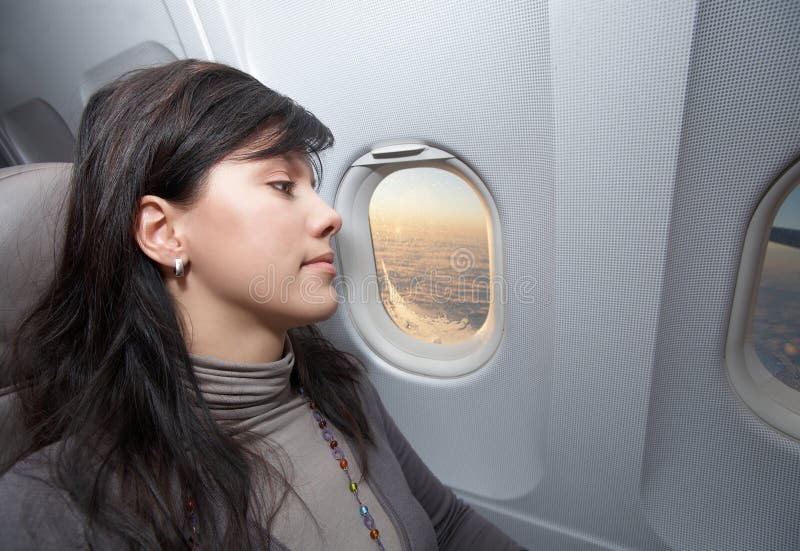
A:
159,232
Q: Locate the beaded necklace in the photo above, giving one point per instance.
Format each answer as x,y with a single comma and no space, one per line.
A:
338,455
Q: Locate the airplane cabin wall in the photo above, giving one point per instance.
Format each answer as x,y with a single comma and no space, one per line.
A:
715,475
625,145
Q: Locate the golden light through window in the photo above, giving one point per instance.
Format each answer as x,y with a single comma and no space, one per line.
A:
430,237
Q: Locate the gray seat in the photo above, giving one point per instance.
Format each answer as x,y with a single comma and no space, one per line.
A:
146,54
31,216
34,132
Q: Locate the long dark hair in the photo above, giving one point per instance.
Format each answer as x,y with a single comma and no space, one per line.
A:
100,363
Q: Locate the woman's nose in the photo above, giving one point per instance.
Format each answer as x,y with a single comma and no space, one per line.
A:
327,222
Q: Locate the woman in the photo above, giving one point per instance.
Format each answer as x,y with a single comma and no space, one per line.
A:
160,374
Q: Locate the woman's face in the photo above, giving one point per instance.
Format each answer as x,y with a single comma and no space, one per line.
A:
249,236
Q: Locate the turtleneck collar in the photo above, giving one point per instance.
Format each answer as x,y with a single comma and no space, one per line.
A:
244,393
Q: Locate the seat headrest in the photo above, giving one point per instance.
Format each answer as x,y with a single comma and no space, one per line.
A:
34,132
146,54
31,216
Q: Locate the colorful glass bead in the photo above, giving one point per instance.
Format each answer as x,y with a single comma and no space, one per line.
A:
374,533
343,463
337,454
323,424
363,510
312,405
334,443
353,487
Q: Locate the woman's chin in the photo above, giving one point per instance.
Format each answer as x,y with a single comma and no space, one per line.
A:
328,309
316,311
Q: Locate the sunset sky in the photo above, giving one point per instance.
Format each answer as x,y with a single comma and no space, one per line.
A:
427,196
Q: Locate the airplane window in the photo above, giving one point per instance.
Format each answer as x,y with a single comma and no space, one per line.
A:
431,244
776,322
763,348
421,259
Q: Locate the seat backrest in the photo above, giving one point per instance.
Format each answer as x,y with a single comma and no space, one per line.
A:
31,218
34,132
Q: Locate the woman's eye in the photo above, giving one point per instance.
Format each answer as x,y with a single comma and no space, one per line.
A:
285,187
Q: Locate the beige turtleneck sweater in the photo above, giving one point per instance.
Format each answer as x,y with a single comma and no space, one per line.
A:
259,399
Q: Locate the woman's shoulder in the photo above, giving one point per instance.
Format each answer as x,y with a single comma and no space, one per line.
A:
371,400
35,513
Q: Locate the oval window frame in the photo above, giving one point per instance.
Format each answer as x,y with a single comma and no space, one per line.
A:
357,261
766,396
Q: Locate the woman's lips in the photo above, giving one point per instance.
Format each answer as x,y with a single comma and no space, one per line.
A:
322,267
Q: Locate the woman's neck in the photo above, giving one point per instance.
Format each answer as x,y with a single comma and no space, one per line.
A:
246,347
219,327
229,334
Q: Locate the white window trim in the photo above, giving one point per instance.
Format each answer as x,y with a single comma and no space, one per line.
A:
357,261
769,398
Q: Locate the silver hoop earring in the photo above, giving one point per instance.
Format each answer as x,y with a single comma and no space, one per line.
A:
178,267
